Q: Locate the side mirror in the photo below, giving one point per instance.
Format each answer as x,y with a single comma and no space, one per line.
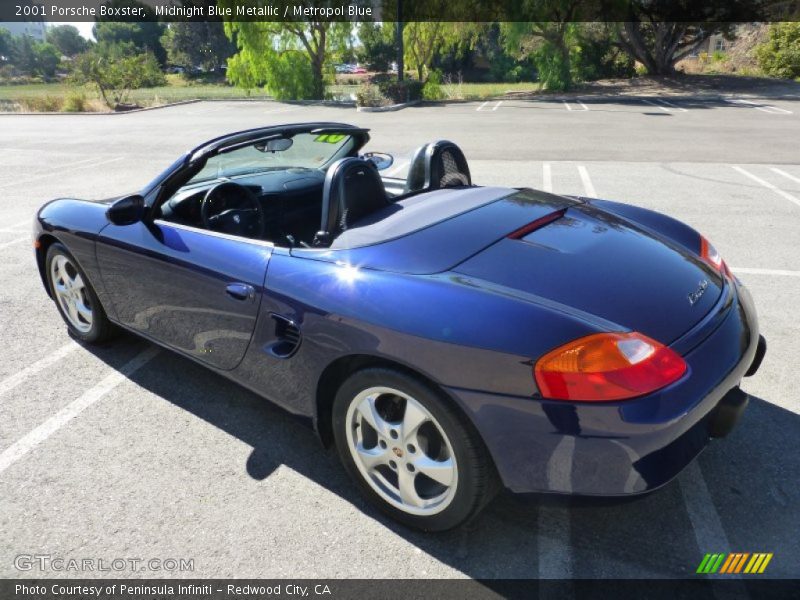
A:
126,211
381,160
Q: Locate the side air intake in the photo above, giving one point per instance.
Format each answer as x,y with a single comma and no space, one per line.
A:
288,337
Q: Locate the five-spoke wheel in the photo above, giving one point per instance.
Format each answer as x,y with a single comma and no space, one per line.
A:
71,294
410,450
401,450
75,298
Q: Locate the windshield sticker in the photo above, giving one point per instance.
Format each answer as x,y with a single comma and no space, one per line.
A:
330,138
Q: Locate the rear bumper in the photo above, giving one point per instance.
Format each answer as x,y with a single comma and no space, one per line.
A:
632,447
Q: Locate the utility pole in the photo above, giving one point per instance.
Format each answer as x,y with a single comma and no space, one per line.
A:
398,40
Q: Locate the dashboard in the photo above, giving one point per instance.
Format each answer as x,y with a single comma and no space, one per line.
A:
291,199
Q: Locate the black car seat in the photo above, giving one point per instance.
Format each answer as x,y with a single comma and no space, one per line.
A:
437,165
353,189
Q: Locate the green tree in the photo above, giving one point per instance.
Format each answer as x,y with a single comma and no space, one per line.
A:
144,34
115,70
424,40
48,58
67,39
652,36
598,56
36,59
6,44
377,45
198,44
550,43
779,56
290,59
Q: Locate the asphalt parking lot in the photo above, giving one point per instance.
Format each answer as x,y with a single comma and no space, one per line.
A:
129,451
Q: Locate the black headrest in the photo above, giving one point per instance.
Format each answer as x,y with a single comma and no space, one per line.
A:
437,165
353,189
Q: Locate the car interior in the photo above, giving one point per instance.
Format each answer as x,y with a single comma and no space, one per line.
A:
309,198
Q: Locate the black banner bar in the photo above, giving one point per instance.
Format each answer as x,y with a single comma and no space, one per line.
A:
394,589
694,11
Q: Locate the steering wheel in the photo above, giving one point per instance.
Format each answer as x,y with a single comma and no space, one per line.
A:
232,208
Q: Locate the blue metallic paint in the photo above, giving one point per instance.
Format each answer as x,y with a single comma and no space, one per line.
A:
474,326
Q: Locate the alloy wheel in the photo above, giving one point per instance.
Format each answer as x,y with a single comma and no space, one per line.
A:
71,293
401,451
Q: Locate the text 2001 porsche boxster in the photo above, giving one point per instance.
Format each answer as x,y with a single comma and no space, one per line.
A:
447,338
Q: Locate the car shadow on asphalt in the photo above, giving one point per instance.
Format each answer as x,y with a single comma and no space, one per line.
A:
751,478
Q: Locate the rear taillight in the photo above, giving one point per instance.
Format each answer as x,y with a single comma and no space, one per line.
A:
607,366
711,256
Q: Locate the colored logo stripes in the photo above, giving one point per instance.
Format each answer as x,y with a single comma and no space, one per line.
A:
735,563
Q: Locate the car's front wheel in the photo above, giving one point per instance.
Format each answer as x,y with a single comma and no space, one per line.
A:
410,452
75,297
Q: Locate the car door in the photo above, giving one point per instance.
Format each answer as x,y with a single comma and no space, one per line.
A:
194,290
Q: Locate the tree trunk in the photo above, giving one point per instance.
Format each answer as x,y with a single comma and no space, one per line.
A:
658,55
317,65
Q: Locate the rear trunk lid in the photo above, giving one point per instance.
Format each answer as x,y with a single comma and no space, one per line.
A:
588,259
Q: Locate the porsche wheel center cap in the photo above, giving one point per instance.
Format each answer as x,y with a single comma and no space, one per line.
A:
397,452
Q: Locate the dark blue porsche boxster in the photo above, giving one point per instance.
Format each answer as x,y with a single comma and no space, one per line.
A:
448,338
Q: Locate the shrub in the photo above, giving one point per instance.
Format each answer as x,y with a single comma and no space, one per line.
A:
75,102
432,90
370,95
453,88
553,66
115,71
42,104
598,58
779,56
407,90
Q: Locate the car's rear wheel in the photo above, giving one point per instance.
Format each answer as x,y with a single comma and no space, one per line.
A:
75,297
411,453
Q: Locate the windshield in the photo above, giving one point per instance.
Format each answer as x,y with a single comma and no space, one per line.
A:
305,150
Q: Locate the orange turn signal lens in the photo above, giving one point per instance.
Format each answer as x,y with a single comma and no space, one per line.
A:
711,256
607,366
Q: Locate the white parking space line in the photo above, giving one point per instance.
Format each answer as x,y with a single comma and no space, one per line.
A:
61,171
547,177
13,242
707,528
779,272
9,383
482,105
785,174
21,447
767,185
664,108
583,107
496,106
588,187
671,104
767,108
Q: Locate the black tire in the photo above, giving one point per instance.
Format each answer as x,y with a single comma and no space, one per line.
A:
476,481
101,329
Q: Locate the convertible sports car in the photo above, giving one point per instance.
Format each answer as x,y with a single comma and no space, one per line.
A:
448,338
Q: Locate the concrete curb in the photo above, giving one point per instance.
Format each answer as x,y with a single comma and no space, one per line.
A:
105,113
193,101
390,108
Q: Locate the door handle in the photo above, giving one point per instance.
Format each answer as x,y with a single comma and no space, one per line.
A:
240,291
